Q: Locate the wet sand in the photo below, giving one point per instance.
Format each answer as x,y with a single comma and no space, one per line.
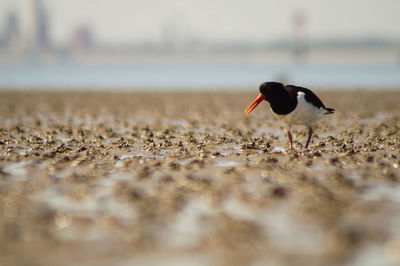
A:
187,179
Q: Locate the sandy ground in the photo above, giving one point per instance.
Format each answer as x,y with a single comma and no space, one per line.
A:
187,179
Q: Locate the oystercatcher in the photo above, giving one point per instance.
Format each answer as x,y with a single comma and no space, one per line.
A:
293,105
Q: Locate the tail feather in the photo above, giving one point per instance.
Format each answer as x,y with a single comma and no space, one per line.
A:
329,111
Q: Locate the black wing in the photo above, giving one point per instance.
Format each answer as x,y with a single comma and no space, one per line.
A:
309,95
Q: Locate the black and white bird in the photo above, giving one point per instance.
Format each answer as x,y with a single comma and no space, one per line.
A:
293,105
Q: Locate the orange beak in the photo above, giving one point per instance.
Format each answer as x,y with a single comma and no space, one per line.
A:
254,104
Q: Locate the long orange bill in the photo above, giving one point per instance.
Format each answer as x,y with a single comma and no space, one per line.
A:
254,104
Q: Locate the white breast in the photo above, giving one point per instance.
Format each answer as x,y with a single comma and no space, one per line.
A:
304,114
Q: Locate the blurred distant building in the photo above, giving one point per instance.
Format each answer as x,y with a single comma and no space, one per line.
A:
82,39
11,31
34,26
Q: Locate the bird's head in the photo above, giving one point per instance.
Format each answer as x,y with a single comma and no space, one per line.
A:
268,91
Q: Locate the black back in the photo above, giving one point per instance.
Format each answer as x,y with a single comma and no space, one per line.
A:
309,95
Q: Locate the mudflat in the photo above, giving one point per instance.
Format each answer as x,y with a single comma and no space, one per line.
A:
97,178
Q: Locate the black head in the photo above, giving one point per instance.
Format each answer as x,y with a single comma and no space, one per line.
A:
268,87
272,90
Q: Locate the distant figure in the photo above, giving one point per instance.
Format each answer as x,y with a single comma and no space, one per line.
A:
293,105
299,48
82,39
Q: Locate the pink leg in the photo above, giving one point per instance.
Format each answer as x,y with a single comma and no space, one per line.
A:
310,132
290,139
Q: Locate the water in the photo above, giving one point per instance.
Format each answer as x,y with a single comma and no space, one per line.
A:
191,76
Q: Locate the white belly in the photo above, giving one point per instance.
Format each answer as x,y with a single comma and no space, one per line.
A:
304,114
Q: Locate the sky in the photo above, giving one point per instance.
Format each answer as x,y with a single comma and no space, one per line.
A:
133,21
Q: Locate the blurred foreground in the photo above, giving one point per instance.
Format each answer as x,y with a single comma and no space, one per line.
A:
187,179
